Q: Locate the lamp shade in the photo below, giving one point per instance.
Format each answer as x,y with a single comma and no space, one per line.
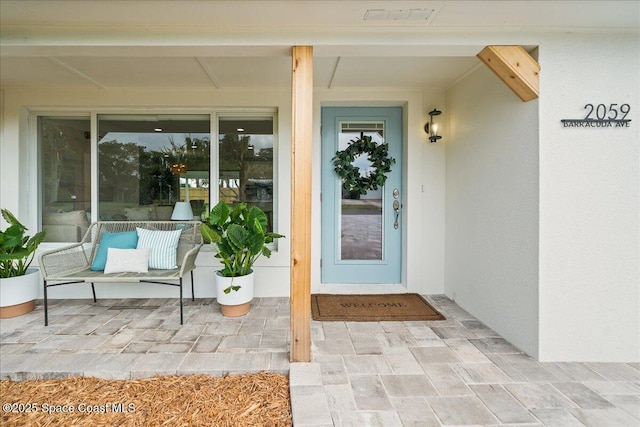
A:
182,212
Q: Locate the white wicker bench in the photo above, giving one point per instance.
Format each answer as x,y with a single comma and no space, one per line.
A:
72,264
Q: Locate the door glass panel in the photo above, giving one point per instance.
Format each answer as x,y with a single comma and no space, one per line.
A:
361,215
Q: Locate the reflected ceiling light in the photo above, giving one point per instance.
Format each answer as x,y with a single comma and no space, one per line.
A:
158,129
240,129
431,128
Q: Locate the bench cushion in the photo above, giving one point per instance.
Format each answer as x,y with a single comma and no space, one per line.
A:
127,261
163,247
123,240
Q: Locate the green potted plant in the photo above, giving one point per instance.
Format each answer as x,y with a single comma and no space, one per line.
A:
18,282
239,236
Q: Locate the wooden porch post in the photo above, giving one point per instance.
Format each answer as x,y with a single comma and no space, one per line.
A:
302,123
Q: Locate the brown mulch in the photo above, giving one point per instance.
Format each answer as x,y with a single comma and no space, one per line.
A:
172,400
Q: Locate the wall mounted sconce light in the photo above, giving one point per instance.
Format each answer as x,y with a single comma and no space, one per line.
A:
431,128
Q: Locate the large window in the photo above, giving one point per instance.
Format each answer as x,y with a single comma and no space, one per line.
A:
147,162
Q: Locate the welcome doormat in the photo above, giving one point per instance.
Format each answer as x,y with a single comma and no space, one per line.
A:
372,308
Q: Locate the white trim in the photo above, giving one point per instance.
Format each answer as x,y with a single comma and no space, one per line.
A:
94,166
214,162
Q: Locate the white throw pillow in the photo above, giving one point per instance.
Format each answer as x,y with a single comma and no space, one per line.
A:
163,247
127,261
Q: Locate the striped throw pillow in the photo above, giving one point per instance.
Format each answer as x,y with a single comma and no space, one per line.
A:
163,247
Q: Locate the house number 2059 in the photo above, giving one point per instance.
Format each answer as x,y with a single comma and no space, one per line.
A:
606,112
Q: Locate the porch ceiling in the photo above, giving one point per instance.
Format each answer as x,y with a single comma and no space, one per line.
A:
226,44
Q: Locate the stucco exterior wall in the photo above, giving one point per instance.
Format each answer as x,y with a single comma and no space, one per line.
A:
492,207
589,201
542,233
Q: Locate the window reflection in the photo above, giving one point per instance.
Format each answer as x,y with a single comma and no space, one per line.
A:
65,161
146,163
246,162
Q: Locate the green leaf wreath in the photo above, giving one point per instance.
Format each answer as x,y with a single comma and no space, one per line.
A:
352,180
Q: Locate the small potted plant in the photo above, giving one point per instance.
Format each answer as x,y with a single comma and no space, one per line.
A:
239,235
18,282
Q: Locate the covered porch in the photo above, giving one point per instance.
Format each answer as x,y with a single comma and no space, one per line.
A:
498,179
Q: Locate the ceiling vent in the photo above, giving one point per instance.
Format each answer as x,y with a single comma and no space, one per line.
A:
397,14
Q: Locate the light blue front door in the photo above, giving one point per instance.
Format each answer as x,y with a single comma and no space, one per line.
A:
361,235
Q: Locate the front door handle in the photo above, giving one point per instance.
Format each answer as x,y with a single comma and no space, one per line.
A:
396,209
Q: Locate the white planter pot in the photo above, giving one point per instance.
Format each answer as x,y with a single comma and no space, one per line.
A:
18,294
235,303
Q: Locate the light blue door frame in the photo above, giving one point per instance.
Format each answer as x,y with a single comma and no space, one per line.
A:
347,223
